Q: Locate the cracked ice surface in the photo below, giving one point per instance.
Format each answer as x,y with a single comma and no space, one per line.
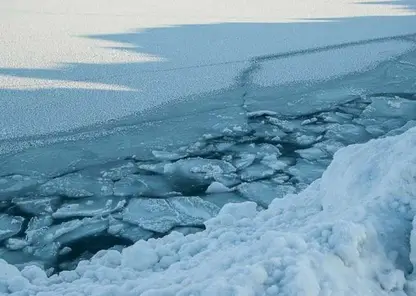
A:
356,219
113,191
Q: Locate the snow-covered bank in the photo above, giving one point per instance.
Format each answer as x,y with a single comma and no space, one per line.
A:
349,233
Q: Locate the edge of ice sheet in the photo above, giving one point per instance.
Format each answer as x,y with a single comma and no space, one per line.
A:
324,65
346,234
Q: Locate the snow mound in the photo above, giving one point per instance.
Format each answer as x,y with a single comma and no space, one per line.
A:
349,233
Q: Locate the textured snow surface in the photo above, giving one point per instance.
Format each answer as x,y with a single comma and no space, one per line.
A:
111,60
349,233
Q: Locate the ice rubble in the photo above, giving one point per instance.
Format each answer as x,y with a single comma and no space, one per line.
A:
118,202
349,233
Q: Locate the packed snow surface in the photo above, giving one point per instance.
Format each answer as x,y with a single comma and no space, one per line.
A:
112,60
349,233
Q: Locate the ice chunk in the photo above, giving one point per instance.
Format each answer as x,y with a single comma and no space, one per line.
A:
286,125
123,170
47,241
261,113
37,205
165,155
391,107
306,172
10,226
151,214
264,192
330,146
217,187
259,150
16,244
302,139
336,117
220,199
18,184
268,131
228,180
272,161
309,121
192,210
65,251
312,153
37,227
156,168
74,230
143,185
88,207
280,178
244,160
128,231
188,175
77,185
348,133
256,172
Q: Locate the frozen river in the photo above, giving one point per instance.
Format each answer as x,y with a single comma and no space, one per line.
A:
139,127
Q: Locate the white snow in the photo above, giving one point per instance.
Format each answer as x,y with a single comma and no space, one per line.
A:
346,234
53,77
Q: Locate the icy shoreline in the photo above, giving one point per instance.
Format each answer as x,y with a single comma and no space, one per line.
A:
349,233
63,202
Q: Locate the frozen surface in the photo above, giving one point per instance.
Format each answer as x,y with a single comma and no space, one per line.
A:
251,117
110,61
356,220
309,67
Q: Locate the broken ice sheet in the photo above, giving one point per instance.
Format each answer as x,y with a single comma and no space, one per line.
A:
166,155
37,205
259,150
221,199
193,210
256,172
188,175
77,185
391,107
263,192
272,161
37,227
143,185
50,239
306,172
89,207
152,214
18,184
312,153
10,225
347,133
72,231
244,160
120,171
128,231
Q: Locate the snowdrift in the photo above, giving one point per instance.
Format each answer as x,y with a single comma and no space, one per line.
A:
349,233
